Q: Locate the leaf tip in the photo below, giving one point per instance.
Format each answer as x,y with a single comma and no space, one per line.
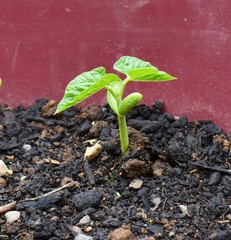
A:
57,111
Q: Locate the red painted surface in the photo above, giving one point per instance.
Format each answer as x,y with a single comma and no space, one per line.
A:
46,43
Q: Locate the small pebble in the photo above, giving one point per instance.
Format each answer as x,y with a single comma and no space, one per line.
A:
54,218
156,201
2,182
184,210
120,234
81,236
12,216
26,147
167,226
172,234
88,229
86,219
93,152
156,228
74,229
136,184
23,179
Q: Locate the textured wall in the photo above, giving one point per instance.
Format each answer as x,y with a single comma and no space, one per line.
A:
46,43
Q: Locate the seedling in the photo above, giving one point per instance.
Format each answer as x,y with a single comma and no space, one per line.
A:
88,83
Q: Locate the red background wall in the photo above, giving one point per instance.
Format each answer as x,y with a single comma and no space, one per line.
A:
46,43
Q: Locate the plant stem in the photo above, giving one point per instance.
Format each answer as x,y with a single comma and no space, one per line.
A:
125,81
111,91
123,133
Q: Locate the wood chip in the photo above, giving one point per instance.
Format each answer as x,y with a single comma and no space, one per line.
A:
52,161
7,207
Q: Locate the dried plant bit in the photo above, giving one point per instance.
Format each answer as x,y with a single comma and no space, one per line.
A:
91,141
193,171
184,210
70,182
223,141
7,207
227,145
51,161
10,157
163,157
194,157
4,170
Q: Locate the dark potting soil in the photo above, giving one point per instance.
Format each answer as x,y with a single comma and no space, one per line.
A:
173,183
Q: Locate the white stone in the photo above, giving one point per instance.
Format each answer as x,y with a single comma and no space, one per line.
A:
84,220
171,234
12,216
23,179
93,152
81,236
136,184
26,147
156,201
184,209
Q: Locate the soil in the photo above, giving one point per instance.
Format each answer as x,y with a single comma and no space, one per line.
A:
173,183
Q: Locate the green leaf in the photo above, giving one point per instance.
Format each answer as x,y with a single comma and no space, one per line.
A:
127,63
83,86
139,70
116,87
149,75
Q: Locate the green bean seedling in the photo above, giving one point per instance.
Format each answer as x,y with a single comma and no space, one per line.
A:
88,83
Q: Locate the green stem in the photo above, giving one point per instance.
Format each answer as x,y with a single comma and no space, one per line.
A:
125,81
123,133
111,91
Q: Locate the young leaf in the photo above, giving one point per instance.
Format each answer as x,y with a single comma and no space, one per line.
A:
149,74
127,63
139,70
85,85
116,86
